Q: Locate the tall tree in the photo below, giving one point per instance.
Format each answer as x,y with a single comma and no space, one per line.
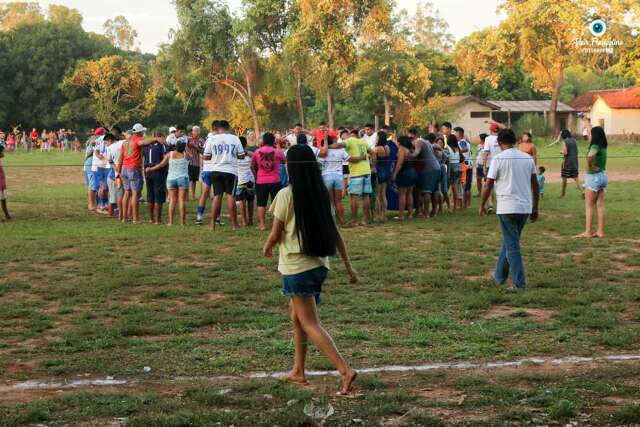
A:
117,88
13,14
58,14
427,28
120,32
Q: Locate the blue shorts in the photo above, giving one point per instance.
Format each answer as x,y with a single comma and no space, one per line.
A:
100,176
132,179
206,178
384,175
597,182
480,171
430,182
181,182
407,177
306,284
88,178
360,185
333,181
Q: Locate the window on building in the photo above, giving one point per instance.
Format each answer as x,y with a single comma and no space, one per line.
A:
480,114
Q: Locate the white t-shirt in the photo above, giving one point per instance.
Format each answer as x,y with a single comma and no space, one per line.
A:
101,148
245,174
224,150
512,170
114,152
491,145
468,155
454,157
371,140
479,160
332,164
171,140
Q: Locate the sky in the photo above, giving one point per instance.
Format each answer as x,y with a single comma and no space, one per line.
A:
153,19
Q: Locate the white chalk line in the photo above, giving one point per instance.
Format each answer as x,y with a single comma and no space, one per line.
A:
110,381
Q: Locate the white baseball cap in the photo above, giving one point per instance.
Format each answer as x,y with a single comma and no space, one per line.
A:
172,129
138,128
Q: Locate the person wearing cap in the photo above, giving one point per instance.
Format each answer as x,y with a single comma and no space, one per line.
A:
171,139
155,179
130,170
491,149
514,175
195,148
100,169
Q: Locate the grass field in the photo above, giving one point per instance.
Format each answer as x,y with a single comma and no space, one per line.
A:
84,296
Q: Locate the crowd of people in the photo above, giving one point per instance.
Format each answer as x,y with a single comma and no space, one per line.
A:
46,140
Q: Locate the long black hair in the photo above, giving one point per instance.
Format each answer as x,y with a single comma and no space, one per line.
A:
598,137
405,142
315,226
452,142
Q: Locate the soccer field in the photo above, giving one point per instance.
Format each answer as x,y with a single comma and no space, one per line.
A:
83,297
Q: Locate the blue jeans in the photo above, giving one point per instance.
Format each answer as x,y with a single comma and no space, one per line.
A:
510,259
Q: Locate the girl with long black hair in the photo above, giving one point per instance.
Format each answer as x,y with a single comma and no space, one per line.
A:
306,234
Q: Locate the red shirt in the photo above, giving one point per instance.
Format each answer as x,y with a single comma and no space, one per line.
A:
131,153
318,135
34,135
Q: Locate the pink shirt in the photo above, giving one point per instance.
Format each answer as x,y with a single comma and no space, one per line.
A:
268,160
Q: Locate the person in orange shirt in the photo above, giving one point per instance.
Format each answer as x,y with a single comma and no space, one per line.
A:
527,146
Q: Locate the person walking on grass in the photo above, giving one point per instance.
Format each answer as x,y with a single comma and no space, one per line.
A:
3,188
223,149
130,171
570,163
265,165
596,184
513,174
306,234
177,179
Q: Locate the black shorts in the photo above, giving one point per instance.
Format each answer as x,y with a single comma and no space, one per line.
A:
194,173
263,191
345,170
246,192
156,182
223,183
469,182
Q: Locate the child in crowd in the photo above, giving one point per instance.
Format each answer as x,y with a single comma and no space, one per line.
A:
245,191
541,171
3,187
306,234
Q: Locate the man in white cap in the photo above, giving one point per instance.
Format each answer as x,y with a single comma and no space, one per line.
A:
130,171
171,139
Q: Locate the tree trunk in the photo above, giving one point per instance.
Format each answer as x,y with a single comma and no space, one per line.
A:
299,103
555,96
331,111
387,110
252,106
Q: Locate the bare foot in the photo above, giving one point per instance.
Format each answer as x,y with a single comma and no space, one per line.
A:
347,381
296,378
599,235
585,235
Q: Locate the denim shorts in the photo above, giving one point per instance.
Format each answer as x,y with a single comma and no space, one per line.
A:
88,178
333,181
597,182
206,178
306,284
181,182
132,179
480,171
360,185
115,193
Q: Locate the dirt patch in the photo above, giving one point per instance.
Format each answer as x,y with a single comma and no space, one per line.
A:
215,296
538,314
614,176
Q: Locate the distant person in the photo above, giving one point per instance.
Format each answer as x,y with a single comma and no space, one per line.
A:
100,168
541,180
570,163
156,178
359,176
306,235
130,170
3,187
331,159
466,150
527,146
319,134
383,167
223,150
491,149
455,170
430,178
194,150
114,154
405,177
597,183
513,173
265,165
246,190
480,164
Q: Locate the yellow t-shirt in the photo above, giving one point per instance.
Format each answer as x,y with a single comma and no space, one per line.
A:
291,259
357,147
